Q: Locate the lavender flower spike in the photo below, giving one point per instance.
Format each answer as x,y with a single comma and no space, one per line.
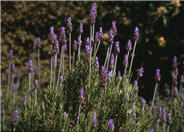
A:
65,115
182,79
30,67
159,113
75,45
112,61
81,96
157,76
56,48
62,37
175,91
96,63
100,34
117,48
52,35
111,36
151,130
13,68
175,62
114,27
164,115
182,96
36,83
94,122
93,14
111,126
136,34
69,24
81,28
169,120
11,55
143,102
140,72
125,62
38,44
15,118
129,46
104,77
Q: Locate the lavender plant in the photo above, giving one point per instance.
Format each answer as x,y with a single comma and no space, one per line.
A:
86,96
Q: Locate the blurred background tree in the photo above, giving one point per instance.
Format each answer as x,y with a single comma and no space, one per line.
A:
161,33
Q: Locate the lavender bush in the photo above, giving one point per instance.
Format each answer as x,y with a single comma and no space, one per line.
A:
85,94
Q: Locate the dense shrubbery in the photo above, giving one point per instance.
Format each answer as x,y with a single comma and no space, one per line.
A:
81,93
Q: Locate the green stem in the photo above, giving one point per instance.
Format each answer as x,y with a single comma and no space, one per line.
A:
154,96
133,54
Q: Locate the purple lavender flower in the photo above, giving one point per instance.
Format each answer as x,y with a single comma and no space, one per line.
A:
94,122
175,62
111,36
157,76
69,24
125,61
127,96
151,130
182,79
11,55
112,61
129,45
30,67
87,41
111,126
52,35
93,14
119,74
15,118
136,34
87,52
114,29
14,87
117,48
100,34
96,63
104,76
134,117
65,115
56,48
175,91
75,45
81,96
36,83
135,83
13,68
62,37
81,28
38,44
65,47
143,101
25,98
169,120
140,72
159,113
182,96
110,75
96,37
164,115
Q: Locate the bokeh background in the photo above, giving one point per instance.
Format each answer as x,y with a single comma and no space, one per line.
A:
161,27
